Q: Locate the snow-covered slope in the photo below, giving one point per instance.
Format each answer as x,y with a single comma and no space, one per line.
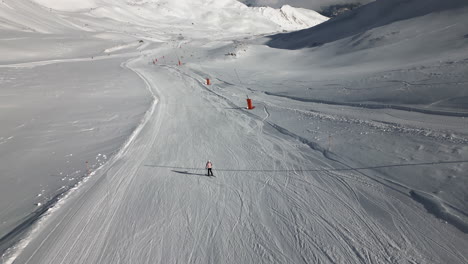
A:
38,33
366,18
393,34
291,18
220,15
161,19
68,5
356,150
27,16
209,15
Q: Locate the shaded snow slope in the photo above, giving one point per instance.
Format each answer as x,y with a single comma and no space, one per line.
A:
365,18
428,39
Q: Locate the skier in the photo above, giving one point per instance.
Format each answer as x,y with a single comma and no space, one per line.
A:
209,165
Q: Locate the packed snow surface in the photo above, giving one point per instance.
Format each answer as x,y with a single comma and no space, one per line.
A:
356,150
67,5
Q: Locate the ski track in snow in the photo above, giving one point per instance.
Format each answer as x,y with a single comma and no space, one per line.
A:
271,217
276,196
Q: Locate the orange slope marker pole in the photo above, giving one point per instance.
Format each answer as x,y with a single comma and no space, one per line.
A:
249,104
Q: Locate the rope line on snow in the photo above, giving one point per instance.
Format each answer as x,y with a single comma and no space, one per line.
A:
320,170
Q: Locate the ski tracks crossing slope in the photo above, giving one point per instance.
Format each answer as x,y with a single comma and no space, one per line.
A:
154,204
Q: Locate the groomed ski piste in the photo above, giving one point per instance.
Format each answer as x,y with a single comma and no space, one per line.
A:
356,150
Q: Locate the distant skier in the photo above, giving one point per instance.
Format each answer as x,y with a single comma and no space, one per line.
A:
209,166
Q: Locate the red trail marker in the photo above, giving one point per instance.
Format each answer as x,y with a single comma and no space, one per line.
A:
249,104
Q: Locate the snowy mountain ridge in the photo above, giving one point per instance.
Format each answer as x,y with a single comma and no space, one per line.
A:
286,18
291,18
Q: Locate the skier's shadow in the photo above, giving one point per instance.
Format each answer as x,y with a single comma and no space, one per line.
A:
190,173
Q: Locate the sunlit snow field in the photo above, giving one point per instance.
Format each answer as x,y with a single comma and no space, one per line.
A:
356,150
